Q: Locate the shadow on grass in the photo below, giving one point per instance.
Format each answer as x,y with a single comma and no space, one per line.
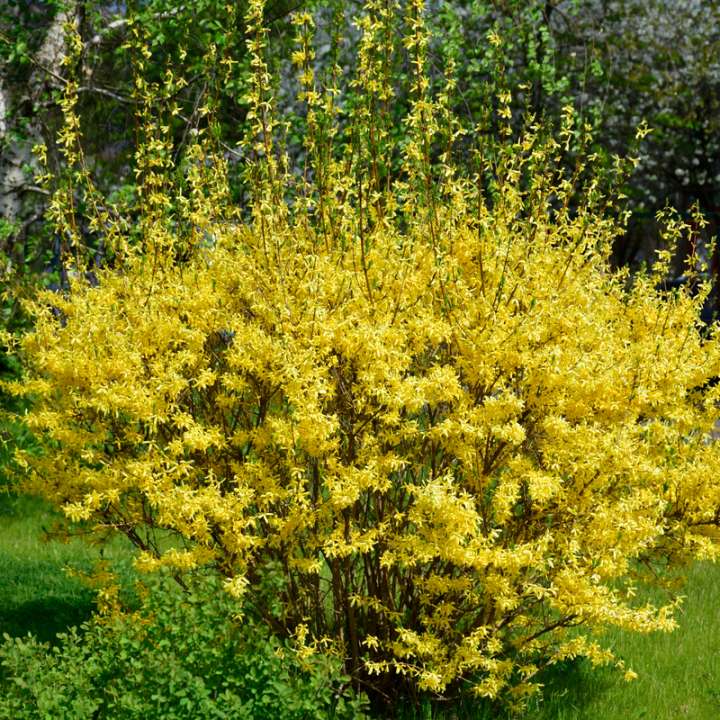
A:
569,688
45,618
37,593
38,596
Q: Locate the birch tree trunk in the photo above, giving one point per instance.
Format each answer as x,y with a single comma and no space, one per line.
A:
21,202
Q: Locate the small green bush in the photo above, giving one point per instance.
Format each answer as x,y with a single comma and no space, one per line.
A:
180,655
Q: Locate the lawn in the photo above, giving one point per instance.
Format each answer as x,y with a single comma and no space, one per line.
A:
679,673
38,592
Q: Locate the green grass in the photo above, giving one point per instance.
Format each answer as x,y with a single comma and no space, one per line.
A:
679,672
38,594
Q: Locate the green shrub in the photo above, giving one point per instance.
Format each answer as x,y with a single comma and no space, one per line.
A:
181,655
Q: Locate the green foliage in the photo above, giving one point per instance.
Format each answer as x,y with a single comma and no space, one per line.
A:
13,433
181,655
515,44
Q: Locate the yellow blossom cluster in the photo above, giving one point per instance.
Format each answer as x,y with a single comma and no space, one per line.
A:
451,461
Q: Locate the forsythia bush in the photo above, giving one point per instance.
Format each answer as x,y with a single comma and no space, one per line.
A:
418,422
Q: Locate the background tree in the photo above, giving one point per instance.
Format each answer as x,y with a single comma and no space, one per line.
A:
620,64
197,42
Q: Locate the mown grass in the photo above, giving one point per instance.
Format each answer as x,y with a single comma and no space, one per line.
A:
39,593
679,673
